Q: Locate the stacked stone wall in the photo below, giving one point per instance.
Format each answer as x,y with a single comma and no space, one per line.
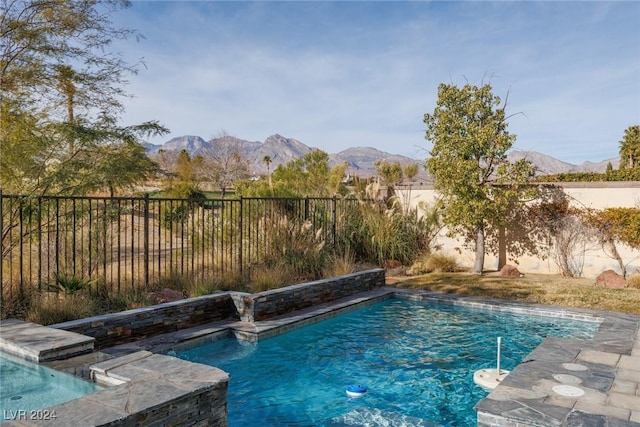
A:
110,330
268,304
132,325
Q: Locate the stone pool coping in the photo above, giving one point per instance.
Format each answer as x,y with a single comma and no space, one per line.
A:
611,360
144,389
38,343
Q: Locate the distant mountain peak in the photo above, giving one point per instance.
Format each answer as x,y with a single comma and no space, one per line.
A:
546,165
360,160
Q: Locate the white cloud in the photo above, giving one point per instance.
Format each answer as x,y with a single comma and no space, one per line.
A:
335,75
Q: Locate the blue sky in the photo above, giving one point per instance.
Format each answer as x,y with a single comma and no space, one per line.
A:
336,75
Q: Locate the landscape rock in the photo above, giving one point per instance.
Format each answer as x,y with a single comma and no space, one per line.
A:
611,280
394,268
166,295
510,271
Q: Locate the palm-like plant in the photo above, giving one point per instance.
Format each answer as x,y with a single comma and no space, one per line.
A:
630,148
267,161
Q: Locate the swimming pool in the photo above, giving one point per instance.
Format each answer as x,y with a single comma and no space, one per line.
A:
416,358
28,387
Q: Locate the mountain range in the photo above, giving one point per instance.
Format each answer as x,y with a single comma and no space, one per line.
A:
360,160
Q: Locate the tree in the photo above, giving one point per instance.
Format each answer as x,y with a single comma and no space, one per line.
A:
410,171
184,180
61,90
392,173
267,161
309,175
224,165
630,148
613,225
468,129
305,176
42,38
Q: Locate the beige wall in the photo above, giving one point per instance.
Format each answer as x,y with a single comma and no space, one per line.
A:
591,257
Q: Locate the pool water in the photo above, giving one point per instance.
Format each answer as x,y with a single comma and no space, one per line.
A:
416,358
28,386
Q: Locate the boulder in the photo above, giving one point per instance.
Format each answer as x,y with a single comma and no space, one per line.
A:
510,271
166,295
391,264
610,279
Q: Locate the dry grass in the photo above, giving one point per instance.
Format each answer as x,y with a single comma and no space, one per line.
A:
533,288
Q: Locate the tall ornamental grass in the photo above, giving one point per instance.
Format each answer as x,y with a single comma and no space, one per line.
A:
376,233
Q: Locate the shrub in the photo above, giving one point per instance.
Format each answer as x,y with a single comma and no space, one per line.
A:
53,308
296,245
340,264
207,288
632,174
228,281
433,263
376,233
68,285
175,281
16,305
634,281
273,277
126,300
441,263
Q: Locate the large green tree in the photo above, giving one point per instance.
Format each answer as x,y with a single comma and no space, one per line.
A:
479,187
61,98
184,178
630,148
309,175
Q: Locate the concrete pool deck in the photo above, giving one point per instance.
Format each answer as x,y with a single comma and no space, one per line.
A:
563,382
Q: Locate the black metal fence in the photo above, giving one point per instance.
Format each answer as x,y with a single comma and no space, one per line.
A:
119,243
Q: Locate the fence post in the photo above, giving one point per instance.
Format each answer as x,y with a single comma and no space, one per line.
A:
146,241
240,237
1,243
306,208
334,219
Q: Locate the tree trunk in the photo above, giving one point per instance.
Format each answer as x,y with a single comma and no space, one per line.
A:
616,255
479,265
502,247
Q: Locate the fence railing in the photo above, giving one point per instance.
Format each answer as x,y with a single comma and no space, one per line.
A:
119,243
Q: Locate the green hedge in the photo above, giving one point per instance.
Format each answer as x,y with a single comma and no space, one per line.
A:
611,175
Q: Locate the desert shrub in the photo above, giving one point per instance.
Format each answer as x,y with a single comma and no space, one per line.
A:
376,233
433,263
176,281
206,288
272,277
634,281
228,281
16,305
53,308
126,300
296,245
441,263
340,264
68,285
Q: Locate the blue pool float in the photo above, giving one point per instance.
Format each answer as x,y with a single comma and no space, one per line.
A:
356,390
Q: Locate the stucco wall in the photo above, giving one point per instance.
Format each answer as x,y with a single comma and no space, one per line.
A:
594,260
